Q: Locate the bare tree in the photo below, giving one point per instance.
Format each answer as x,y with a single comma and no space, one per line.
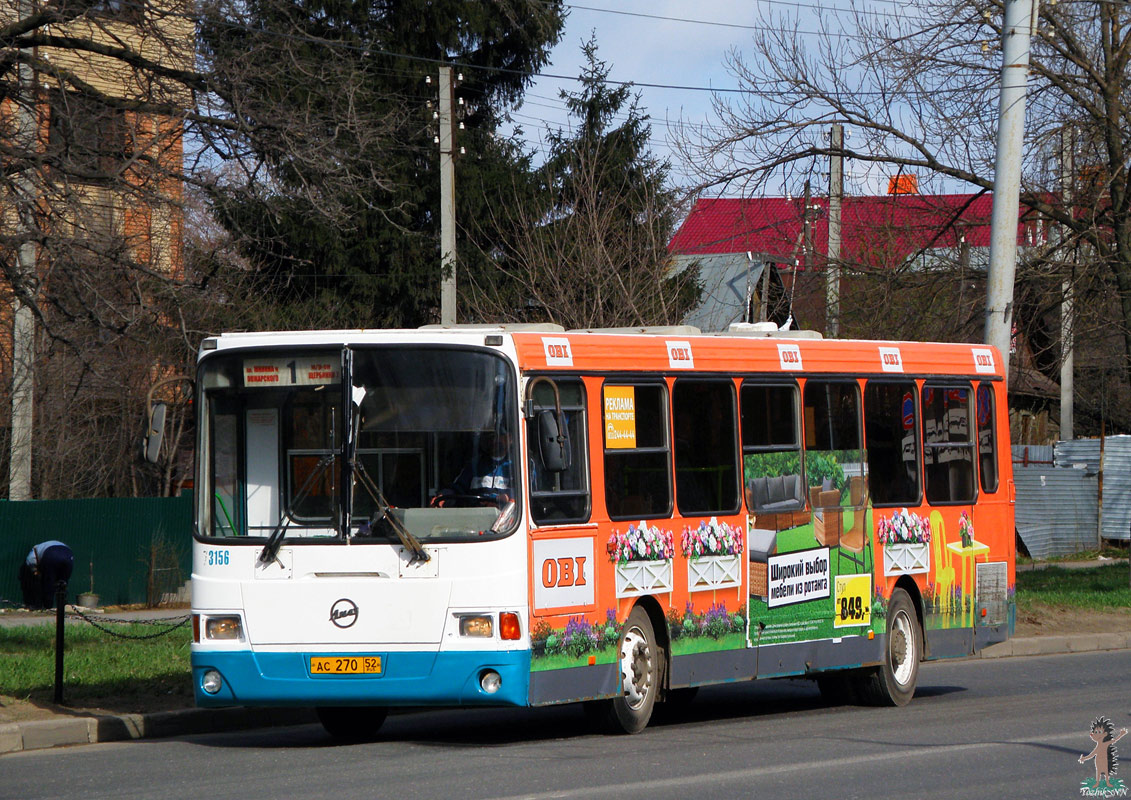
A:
108,111
586,268
115,90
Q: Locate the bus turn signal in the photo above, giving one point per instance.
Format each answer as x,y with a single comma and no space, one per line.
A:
508,626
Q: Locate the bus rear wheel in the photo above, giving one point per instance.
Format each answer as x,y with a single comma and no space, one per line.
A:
893,684
639,662
352,723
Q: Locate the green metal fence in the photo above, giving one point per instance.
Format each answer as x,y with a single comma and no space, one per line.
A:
136,548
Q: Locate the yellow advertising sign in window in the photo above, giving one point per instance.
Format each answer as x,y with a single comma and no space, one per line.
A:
620,417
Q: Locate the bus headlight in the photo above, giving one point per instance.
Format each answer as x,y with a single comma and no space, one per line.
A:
479,625
211,682
223,628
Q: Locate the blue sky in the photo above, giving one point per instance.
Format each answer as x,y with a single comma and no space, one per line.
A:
682,44
644,49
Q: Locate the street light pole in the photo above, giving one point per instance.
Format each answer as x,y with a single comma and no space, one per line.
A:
447,201
1020,15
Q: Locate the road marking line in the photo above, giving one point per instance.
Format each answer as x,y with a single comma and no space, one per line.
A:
696,781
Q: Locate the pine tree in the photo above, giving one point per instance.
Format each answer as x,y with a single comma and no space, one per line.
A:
360,235
593,251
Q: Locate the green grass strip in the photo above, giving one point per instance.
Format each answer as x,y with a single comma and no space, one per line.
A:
1095,588
98,670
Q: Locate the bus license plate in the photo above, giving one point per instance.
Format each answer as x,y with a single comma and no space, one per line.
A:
345,665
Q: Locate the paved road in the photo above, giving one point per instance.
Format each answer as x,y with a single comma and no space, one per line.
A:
1002,728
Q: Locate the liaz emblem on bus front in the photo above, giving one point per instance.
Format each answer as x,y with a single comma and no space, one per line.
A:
343,613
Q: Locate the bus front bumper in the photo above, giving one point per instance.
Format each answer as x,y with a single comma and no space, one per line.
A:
444,678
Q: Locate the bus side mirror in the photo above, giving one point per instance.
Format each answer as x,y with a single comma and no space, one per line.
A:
156,433
553,443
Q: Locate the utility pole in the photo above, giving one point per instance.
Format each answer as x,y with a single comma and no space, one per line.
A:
1067,317
447,201
1020,15
836,194
23,321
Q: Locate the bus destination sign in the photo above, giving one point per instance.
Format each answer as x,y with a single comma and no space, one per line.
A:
317,371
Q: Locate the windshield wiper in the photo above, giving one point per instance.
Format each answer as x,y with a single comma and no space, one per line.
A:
275,540
384,512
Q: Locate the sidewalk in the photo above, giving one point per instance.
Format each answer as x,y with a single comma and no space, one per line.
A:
10,618
39,734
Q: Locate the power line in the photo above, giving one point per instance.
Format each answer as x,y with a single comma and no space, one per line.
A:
379,51
737,25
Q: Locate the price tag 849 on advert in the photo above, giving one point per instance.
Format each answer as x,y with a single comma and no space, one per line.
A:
853,601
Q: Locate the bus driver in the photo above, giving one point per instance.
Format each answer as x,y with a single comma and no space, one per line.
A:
487,476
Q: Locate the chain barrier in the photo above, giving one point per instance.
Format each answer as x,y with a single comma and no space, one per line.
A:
172,623
180,623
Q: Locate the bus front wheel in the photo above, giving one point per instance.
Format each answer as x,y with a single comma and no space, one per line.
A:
893,684
352,723
639,663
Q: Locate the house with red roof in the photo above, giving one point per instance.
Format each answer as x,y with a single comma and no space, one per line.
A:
733,240
767,258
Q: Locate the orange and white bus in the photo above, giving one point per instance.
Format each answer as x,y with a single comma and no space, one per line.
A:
529,516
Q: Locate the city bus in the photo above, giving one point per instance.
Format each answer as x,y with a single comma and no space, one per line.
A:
527,516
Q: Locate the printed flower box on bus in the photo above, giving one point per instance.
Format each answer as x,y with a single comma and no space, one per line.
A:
643,558
905,538
714,556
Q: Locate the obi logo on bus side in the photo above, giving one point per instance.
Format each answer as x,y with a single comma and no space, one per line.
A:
789,356
563,573
890,359
679,355
983,359
557,351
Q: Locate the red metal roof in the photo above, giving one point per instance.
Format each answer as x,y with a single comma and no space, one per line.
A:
874,230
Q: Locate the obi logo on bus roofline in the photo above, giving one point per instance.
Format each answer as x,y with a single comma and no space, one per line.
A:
557,351
680,356
983,359
789,356
891,360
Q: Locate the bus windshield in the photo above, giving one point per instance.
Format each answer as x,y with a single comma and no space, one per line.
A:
331,443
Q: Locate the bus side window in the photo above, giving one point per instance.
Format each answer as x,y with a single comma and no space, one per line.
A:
559,497
706,450
637,470
225,513
948,450
771,449
834,457
891,429
987,441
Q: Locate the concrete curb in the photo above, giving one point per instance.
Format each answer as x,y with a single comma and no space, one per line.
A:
1052,645
40,734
